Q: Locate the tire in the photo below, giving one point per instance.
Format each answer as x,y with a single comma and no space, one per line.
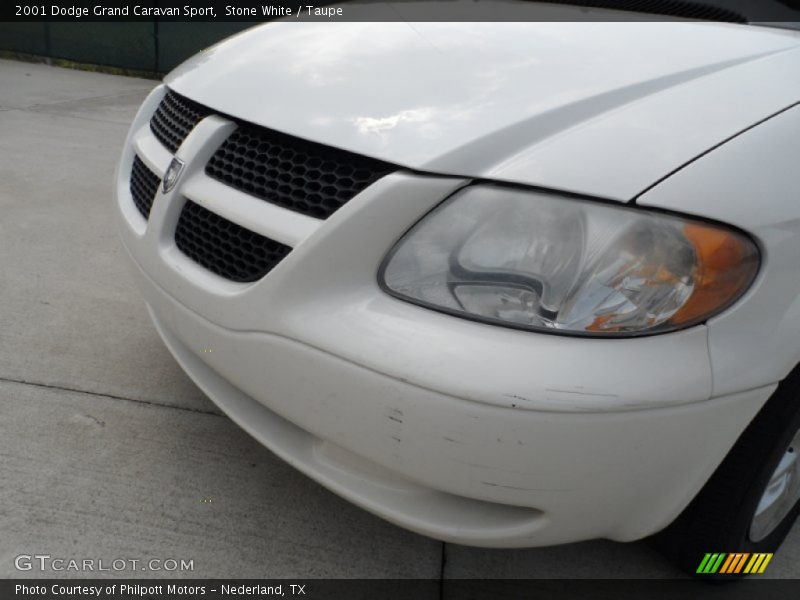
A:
719,519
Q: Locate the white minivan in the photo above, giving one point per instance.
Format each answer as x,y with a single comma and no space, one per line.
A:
504,284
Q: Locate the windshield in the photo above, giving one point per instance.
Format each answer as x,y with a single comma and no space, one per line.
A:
776,13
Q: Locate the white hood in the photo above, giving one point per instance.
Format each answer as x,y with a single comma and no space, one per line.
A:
605,109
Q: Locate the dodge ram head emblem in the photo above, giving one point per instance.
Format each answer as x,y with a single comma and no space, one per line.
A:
172,175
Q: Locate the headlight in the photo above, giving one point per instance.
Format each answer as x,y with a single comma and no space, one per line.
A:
543,262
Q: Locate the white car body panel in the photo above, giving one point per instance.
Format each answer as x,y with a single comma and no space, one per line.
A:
460,471
459,430
751,182
556,105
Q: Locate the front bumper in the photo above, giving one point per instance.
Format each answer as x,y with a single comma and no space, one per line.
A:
458,430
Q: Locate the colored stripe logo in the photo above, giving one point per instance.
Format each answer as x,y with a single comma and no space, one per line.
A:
734,563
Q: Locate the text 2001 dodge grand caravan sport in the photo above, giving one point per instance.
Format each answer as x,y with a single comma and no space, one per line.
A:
503,284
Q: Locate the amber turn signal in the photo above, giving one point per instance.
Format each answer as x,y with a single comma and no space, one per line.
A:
727,262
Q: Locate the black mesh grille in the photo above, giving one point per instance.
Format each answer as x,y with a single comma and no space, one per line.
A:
144,185
303,176
224,247
175,118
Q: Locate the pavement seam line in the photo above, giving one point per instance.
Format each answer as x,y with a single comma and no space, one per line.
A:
103,395
65,116
33,107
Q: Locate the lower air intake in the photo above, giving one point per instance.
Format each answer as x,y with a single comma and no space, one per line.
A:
225,248
144,185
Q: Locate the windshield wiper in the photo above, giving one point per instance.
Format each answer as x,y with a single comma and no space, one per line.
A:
687,9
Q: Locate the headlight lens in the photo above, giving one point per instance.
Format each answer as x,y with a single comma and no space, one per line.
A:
543,262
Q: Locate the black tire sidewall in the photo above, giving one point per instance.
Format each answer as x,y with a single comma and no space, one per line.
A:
747,513
719,518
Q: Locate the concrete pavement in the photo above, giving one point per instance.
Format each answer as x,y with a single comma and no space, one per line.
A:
108,450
